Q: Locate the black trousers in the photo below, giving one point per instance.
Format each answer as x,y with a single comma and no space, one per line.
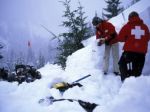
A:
131,64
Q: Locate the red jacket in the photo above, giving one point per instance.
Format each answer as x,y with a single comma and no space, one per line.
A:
106,30
136,35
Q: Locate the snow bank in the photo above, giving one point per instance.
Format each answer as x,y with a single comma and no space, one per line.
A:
106,91
132,97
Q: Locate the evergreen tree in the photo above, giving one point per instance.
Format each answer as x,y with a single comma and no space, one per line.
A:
77,31
41,61
113,8
1,46
10,60
30,55
134,1
20,58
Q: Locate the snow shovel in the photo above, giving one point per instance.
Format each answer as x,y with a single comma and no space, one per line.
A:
87,106
63,86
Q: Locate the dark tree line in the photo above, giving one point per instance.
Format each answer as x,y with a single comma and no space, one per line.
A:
0,53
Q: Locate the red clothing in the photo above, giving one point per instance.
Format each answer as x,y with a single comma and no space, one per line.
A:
136,35
106,30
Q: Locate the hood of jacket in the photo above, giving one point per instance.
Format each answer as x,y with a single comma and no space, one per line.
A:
135,20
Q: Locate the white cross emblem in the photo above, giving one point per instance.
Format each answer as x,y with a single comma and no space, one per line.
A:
137,32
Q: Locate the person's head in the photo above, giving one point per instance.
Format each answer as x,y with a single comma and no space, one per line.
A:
133,14
96,20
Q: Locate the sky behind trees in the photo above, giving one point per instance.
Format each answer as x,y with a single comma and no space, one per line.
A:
46,12
22,20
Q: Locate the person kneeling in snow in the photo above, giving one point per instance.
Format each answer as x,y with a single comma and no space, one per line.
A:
105,33
136,35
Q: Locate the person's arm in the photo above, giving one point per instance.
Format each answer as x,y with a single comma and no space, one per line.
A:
110,34
123,34
99,37
147,33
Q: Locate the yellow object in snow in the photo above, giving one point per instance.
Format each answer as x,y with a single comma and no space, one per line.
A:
60,85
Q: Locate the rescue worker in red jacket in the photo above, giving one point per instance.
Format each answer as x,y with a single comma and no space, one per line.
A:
136,35
105,33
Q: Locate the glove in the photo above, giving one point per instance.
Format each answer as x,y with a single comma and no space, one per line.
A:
110,38
106,42
99,44
101,41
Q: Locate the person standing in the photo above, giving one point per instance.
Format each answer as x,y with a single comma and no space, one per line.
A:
106,33
135,35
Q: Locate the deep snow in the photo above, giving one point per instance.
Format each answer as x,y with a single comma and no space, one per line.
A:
108,91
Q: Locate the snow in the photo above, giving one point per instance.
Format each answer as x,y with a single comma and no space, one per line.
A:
97,88
105,90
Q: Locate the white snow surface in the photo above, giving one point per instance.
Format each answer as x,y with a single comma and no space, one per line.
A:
105,90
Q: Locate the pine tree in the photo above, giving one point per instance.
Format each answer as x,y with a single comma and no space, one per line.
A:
0,54
20,58
30,55
41,61
10,60
1,46
77,31
134,1
113,8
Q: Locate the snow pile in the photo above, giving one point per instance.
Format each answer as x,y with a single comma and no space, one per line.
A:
96,89
105,90
132,97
